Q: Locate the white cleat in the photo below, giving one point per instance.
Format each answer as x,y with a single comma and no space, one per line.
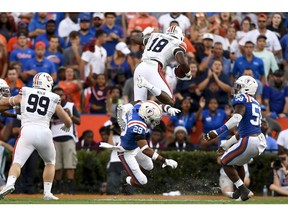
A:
245,196
141,82
6,190
121,116
229,194
50,196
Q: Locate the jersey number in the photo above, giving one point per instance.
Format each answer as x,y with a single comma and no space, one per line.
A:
158,45
256,113
38,104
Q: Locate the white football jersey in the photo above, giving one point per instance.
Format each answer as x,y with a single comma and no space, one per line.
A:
162,48
37,106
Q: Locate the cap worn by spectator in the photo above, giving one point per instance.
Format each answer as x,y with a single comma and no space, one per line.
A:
99,15
121,46
261,36
84,17
40,44
278,73
180,128
208,36
262,15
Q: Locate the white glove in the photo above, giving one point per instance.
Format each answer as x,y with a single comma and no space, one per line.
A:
19,117
147,30
111,147
171,163
173,111
187,77
64,128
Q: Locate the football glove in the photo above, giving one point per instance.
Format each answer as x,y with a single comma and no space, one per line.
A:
147,30
64,128
187,77
210,135
173,111
169,162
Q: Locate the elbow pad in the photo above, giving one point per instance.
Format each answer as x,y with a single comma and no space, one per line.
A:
233,121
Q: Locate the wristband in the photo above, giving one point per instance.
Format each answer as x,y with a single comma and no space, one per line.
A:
144,147
221,130
155,156
166,108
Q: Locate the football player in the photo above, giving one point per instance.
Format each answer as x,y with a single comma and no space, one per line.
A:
135,151
160,50
37,105
250,142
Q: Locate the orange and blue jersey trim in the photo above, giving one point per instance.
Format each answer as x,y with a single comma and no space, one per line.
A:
236,152
138,123
248,98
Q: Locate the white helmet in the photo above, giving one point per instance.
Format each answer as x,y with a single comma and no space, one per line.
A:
175,31
4,89
43,80
245,85
151,112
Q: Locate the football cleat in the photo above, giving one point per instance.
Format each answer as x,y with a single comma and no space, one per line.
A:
121,115
49,196
6,190
245,196
233,195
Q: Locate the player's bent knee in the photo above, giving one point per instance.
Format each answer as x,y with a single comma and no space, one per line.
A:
143,181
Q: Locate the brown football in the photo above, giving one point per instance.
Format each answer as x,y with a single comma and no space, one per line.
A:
179,72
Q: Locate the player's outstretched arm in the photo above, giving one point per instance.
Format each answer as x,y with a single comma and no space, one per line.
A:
140,37
8,103
60,112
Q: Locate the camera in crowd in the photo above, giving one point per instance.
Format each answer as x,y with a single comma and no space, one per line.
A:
278,163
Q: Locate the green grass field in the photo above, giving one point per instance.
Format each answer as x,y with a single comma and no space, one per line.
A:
138,199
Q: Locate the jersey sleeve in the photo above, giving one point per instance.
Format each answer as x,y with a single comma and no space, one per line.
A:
240,99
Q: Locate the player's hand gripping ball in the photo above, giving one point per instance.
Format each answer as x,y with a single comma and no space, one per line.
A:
179,72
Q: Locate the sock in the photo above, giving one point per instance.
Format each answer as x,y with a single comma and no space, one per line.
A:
47,187
11,180
128,180
70,186
238,183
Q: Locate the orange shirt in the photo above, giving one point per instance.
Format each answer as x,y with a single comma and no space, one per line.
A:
190,47
143,22
19,84
72,93
12,44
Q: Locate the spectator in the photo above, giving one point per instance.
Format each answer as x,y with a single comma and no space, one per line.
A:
277,25
114,32
249,60
72,55
86,36
272,41
38,64
274,126
97,22
278,178
113,100
3,61
282,140
37,25
135,48
88,61
245,27
141,21
200,26
268,58
272,146
65,144
259,91
22,27
204,47
86,142
275,95
216,84
53,53
226,20
180,142
217,53
67,25
72,87
121,60
7,28
156,138
13,81
22,53
51,30
211,117
284,45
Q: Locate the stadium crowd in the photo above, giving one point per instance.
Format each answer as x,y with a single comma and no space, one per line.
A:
92,58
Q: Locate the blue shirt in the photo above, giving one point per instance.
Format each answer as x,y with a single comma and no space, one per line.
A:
57,58
272,146
276,97
226,64
211,122
110,45
44,38
284,45
135,126
251,120
23,56
256,64
35,23
44,66
187,121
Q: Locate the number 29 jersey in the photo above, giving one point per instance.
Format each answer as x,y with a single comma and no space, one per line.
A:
162,48
251,121
37,106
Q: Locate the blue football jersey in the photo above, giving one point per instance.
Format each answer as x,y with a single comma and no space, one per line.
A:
251,121
135,126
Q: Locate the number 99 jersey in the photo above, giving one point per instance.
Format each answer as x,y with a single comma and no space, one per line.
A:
37,106
135,127
251,121
162,48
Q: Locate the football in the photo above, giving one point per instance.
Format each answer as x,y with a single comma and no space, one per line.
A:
179,72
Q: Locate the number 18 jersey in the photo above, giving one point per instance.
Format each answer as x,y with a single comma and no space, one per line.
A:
37,106
162,48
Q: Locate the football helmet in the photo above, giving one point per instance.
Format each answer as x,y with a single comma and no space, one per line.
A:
176,32
4,89
151,113
43,80
245,85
